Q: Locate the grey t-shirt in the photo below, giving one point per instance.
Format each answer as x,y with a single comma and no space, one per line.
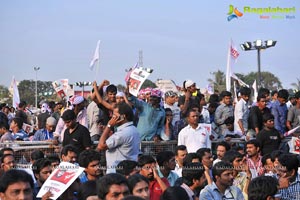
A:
294,116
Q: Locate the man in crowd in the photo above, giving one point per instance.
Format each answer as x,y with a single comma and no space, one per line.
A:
90,160
17,131
241,112
289,178
254,158
16,184
75,134
262,188
124,144
166,163
193,179
222,187
223,111
112,187
151,115
222,147
194,136
47,132
148,169
170,102
279,110
180,154
293,117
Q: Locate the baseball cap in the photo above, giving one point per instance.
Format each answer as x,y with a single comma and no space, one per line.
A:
75,100
188,83
170,93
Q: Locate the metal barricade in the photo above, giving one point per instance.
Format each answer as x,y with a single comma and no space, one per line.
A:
23,149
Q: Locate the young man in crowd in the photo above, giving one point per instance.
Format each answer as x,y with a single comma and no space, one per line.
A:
180,154
166,163
90,160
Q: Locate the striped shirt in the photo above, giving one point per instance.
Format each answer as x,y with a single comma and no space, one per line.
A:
293,191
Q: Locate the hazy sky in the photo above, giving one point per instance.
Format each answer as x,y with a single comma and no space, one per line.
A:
180,39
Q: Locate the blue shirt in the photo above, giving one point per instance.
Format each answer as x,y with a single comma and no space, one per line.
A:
42,134
292,192
212,192
280,116
151,120
21,135
172,177
124,144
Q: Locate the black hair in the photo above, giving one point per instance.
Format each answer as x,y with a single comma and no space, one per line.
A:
214,98
290,161
134,179
189,158
22,104
174,193
255,142
261,187
164,156
87,189
263,92
267,116
18,121
125,167
39,164
104,183
219,168
88,156
275,154
67,148
14,176
225,94
224,144
37,154
259,97
53,158
265,158
201,152
5,149
111,88
245,91
132,197
297,95
125,109
192,171
4,156
283,93
229,120
145,159
4,124
231,155
274,92
179,148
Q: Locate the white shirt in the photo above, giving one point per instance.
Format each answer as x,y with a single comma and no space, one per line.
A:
241,112
194,139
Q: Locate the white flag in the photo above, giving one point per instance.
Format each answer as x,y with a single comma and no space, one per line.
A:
254,86
231,59
96,56
16,96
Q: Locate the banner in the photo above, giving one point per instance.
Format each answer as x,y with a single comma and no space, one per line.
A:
137,78
62,88
60,179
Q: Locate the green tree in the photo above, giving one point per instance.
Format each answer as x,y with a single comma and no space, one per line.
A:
4,95
268,80
218,81
296,85
27,91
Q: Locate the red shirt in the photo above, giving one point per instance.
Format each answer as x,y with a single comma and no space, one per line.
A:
155,190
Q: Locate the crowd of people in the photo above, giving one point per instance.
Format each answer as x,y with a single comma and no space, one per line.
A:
114,122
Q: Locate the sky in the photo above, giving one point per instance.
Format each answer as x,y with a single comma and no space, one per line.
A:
180,39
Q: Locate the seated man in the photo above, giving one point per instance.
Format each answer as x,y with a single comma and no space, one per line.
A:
47,132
